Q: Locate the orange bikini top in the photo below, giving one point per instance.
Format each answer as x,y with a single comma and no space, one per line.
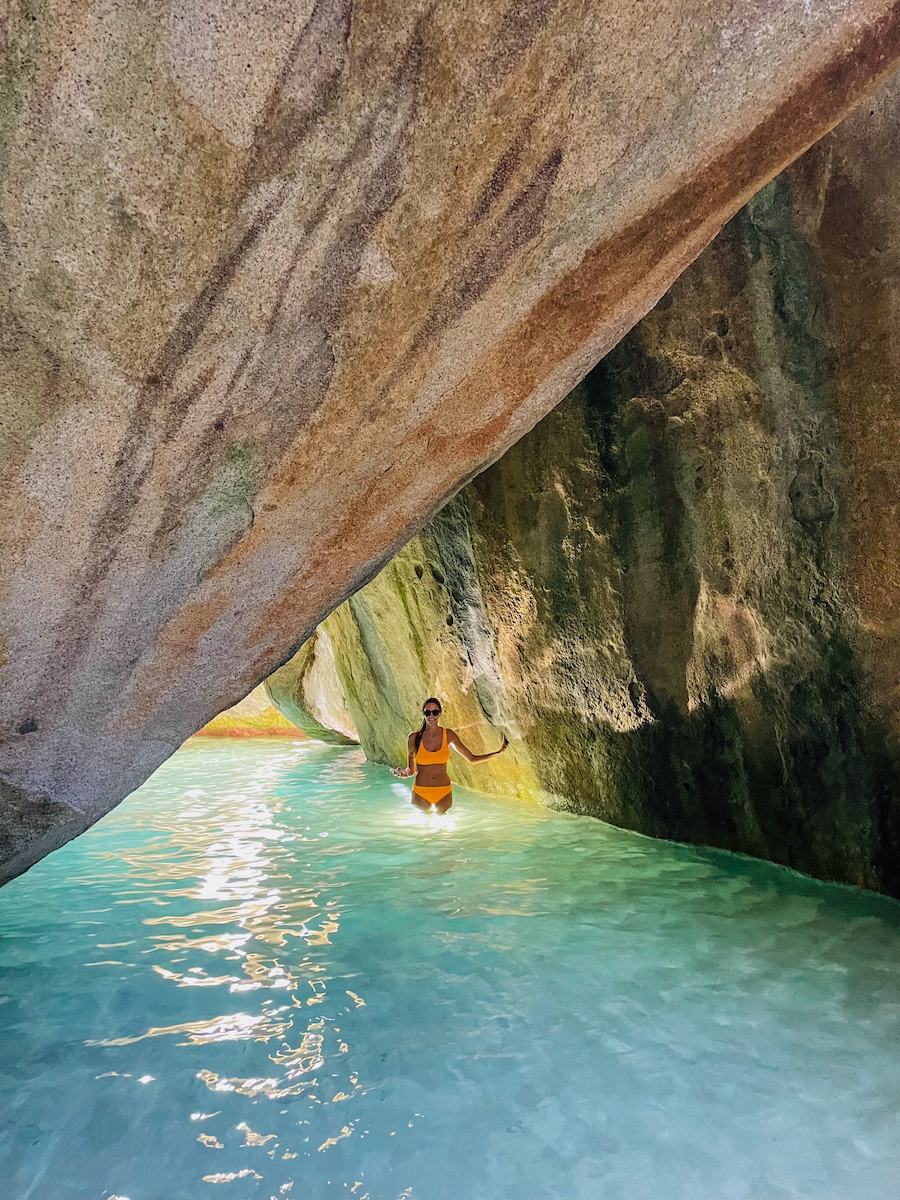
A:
427,757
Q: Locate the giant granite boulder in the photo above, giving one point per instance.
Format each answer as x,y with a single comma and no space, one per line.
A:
279,276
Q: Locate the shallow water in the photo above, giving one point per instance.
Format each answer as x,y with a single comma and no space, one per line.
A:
266,973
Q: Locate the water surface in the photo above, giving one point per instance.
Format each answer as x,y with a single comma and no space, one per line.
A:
267,975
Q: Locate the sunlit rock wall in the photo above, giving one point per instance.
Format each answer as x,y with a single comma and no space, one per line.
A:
309,692
254,716
417,630
680,593
278,276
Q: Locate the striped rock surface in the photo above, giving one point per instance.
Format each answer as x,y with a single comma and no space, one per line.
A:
278,277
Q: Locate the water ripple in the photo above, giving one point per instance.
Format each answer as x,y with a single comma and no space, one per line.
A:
376,1002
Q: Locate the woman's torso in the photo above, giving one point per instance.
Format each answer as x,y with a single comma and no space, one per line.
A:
431,773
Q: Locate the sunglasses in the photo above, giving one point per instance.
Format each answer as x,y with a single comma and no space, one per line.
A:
432,712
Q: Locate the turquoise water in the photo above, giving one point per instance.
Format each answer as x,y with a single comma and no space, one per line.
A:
267,975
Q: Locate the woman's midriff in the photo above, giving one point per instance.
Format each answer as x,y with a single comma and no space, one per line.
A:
432,785
432,775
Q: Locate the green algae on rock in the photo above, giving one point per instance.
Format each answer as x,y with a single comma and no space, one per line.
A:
669,593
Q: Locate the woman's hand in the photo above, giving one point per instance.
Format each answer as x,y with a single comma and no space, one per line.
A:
402,772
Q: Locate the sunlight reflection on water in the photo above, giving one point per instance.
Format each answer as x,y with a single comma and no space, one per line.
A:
268,971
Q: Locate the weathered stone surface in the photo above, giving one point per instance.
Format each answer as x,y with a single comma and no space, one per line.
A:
682,589
278,276
308,691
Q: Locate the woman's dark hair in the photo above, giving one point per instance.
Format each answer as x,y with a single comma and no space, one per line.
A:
419,732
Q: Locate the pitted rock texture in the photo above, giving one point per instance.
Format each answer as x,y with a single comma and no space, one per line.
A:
278,277
680,593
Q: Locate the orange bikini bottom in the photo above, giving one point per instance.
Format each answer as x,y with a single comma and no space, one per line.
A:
431,795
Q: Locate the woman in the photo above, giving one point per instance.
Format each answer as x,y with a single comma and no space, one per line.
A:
429,753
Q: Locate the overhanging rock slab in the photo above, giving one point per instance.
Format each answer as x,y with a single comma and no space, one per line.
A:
278,277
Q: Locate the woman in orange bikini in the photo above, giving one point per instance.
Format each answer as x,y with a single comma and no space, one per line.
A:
429,753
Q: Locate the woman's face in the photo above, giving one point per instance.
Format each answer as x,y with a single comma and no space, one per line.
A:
432,713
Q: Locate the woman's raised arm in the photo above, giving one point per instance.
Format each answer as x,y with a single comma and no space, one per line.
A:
453,739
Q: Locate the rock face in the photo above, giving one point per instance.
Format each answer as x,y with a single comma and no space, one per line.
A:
681,592
308,691
278,277
254,716
419,628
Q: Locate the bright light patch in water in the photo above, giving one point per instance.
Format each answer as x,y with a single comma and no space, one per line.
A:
388,1003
